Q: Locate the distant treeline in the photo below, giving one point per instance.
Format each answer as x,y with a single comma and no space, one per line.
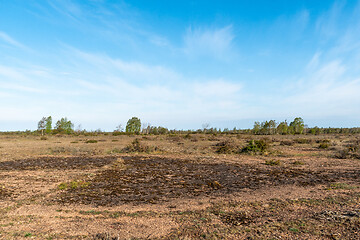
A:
134,126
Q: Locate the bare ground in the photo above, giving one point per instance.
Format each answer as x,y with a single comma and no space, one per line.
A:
65,188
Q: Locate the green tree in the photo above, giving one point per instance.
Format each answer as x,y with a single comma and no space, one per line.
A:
42,125
297,126
48,125
257,127
282,128
133,125
64,126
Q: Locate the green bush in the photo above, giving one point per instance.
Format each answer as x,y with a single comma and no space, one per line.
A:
324,145
137,146
256,146
286,143
226,147
272,162
302,140
73,185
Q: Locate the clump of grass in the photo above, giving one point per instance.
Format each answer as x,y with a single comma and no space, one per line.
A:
28,235
43,138
226,147
73,185
297,162
286,143
114,140
295,230
4,191
187,136
323,141
324,145
256,147
74,142
114,151
91,141
351,150
90,212
137,146
342,186
272,162
57,150
302,140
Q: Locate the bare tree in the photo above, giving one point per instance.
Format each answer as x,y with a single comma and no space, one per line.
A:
205,126
42,125
119,128
146,128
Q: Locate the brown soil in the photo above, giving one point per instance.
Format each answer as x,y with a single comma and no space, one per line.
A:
65,188
154,179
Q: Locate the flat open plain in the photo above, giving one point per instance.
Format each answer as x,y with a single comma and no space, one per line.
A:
197,186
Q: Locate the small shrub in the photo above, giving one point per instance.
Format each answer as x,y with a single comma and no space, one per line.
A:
187,136
256,146
91,141
57,150
4,192
114,151
73,185
342,186
303,140
272,162
225,147
349,151
286,143
354,147
117,133
297,162
137,146
28,235
74,142
295,230
90,212
43,138
342,154
324,145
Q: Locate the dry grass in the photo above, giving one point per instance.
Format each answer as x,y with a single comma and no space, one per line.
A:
81,187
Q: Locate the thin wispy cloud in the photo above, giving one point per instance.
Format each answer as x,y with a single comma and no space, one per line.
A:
328,22
215,43
11,41
100,63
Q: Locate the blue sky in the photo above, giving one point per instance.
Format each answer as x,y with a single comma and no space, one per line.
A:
179,64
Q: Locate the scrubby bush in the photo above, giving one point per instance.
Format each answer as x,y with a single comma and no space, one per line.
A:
324,145
137,146
351,150
286,143
226,147
272,162
256,146
303,140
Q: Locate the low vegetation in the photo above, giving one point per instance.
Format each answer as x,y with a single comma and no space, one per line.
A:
256,147
182,185
137,146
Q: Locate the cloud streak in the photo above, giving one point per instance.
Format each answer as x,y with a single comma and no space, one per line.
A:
9,40
215,43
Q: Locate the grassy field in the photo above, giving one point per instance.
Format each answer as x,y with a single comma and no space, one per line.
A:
195,186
